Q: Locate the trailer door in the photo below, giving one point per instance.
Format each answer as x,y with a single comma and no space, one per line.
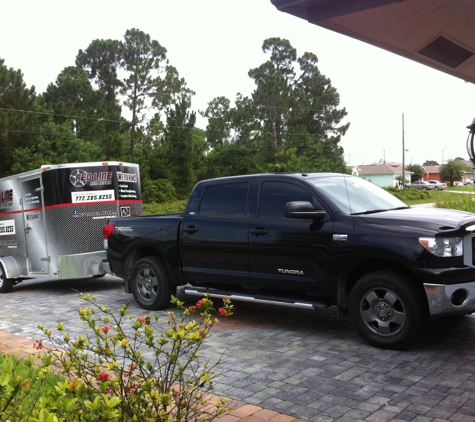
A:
34,226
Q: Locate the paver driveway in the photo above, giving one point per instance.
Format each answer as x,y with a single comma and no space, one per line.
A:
298,362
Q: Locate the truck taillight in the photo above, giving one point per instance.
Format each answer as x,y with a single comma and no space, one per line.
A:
107,230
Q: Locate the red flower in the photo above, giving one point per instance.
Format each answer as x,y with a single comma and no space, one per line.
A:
142,319
200,303
192,308
106,329
132,366
223,311
26,384
131,387
38,344
103,376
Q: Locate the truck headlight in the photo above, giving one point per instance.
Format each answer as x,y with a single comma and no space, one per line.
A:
443,246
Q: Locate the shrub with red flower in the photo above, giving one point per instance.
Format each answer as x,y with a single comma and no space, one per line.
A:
38,344
132,385
103,376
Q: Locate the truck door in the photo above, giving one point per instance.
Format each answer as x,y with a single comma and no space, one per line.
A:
215,234
34,226
289,255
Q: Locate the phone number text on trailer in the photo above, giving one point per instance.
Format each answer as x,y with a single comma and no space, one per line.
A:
105,195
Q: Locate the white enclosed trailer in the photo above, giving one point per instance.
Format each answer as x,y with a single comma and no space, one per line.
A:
52,218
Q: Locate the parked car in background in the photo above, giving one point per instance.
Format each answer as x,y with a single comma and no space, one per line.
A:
468,181
421,185
437,184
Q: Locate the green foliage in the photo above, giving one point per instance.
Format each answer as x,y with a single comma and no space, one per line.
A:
108,378
57,144
430,163
21,388
158,191
417,171
18,124
164,208
290,122
149,80
183,147
411,194
452,171
292,119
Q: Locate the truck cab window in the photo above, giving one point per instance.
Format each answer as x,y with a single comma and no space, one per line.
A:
274,197
225,201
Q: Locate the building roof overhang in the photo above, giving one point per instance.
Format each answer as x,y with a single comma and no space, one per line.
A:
437,33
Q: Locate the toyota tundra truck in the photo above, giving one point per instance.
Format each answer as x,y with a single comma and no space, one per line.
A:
307,240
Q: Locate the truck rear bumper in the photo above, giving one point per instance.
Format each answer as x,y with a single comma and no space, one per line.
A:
453,299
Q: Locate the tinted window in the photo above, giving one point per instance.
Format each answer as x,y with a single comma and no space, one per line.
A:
225,201
275,196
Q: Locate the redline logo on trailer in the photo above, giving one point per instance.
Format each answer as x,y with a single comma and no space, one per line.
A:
6,198
80,178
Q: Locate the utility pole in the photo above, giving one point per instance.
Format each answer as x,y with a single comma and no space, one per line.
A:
403,159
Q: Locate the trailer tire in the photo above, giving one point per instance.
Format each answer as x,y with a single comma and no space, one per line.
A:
387,309
151,285
6,284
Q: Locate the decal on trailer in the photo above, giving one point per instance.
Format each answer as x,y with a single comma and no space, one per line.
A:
6,198
125,211
93,196
34,216
127,177
80,178
7,227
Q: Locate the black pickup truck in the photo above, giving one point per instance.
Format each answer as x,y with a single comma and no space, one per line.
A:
309,240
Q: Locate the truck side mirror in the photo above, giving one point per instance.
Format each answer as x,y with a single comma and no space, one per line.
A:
303,210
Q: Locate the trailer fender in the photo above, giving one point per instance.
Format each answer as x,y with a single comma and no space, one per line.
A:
10,265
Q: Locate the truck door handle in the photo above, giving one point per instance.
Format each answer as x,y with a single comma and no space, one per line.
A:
191,229
259,231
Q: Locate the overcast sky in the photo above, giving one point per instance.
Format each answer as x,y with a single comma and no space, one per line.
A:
214,43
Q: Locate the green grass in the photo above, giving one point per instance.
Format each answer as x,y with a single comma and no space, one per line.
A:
456,197
27,369
414,197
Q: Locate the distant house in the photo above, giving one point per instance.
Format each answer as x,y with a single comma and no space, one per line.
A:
384,175
432,172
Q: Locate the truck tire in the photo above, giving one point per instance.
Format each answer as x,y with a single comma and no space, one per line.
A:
387,309
151,285
6,284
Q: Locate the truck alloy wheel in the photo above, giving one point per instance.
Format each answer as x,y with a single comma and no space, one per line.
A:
151,284
387,309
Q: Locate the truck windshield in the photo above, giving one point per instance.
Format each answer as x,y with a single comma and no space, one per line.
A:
354,195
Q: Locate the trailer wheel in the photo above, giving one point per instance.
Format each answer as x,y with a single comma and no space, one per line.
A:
6,284
387,310
151,285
